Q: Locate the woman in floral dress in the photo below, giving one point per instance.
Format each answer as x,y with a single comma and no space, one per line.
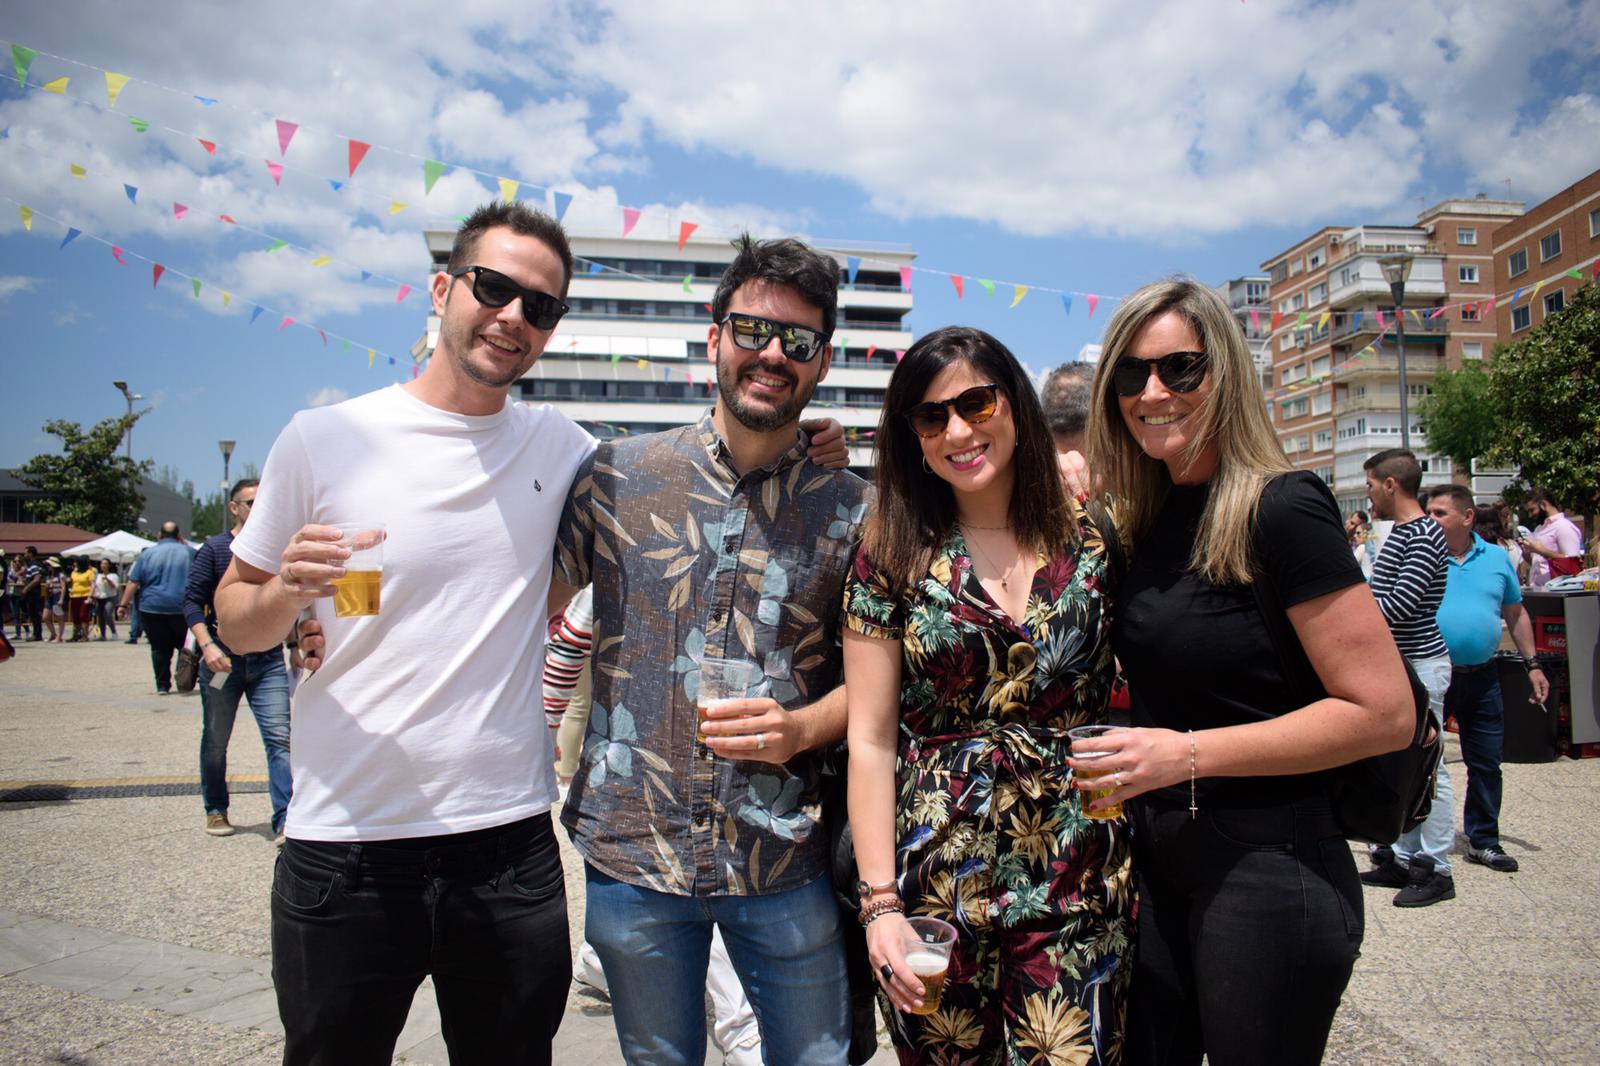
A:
977,617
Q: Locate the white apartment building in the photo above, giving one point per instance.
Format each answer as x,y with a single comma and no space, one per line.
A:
1246,295
631,357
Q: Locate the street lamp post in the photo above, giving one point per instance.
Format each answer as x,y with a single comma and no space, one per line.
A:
122,387
1397,268
227,453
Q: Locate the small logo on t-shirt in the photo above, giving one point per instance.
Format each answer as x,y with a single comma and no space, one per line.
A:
536,486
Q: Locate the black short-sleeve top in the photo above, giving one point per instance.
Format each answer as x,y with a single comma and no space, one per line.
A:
1199,655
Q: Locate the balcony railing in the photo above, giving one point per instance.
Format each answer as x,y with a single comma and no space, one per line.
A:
1424,363
1345,325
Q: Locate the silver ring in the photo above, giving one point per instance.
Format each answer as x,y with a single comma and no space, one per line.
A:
761,741
1118,777
288,569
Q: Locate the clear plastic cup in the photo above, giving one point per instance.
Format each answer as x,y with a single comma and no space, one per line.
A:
1095,732
358,593
927,946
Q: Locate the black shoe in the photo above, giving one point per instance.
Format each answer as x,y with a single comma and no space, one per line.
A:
131,640
1425,886
1389,875
1493,858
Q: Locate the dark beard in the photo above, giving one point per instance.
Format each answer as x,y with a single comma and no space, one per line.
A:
761,419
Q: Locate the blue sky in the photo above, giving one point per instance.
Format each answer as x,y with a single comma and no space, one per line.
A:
1086,147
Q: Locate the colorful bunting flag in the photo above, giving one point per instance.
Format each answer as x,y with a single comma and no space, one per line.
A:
959,282
1576,273
401,293
133,193
905,279
688,280
276,170
209,146
285,324
1018,292
227,297
324,337
365,274
179,210
1066,303
116,253
1322,320
684,230
1277,317
72,235
630,219
58,86
1437,311
275,245
1356,321
286,132
114,86
563,201
1300,321
1514,298
255,313
27,217
139,125
852,264
155,274
228,219
22,58
1378,315
335,184
1534,295
206,101
344,349
196,283
899,354
508,190
1093,301
1255,320
595,268
370,353
321,261
872,350
395,207
432,170
77,171
358,152
988,286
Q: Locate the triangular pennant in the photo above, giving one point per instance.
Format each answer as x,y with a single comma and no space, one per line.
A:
370,353
1378,317
1575,273
228,219
179,210
1300,320
209,146
616,357
905,279
1437,311
630,219
432,170
335,185
1322,319
596,268
365,274
1416,316
988,286
1277,317
195,282
688,280
206,101
1093,301
1514,298
508,190
27,216
275,245
1489,303
77,171
286,131
1066,303
960,285
276,170
255,313
114,86
344,349
227,297
324,337
395,207
139,125
285,324
1534,295
1356,322
852,264
401,293
116,253
1017,293
644,364
1594,270
899,354
133,193
321,261
1255,321
72,235
563,201
155,274
58,86
22,59
872,350
684,230
358,152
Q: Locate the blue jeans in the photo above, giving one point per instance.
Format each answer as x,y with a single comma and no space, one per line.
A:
787,948
260,676
1474,701
1437,834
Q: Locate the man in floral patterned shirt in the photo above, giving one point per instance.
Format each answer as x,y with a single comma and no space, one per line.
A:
719,539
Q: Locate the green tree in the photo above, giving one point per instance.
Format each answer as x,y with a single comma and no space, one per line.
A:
88,485
1456,416
1545,392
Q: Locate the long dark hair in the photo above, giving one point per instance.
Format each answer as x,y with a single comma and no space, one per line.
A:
916,509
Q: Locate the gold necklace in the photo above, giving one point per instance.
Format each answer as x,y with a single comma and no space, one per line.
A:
1005,578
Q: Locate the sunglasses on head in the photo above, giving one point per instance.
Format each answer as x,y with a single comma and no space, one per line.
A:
493,289
974,405
753,333
1178,371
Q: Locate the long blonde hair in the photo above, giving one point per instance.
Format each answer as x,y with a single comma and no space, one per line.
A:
1233,418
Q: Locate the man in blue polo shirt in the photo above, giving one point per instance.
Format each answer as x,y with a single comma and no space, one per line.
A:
1480,592
158,577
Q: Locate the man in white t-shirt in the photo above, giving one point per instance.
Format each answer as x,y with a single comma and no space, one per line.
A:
419,833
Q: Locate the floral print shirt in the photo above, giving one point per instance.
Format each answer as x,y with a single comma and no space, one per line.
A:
688,559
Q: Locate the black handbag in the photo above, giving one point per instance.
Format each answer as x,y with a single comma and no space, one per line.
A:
1378,798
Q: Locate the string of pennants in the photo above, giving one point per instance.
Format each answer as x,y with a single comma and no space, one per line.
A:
509,189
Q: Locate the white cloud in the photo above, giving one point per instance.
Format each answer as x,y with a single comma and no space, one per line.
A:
11,284
325,396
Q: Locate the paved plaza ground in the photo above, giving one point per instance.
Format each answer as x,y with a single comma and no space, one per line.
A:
129,936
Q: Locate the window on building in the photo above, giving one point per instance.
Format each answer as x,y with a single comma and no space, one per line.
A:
1469,312
1549,246
1280,271
1285,342
1319,365
1554,303
1314,260
1517,262
1325,473
1466,235
1255,291
1348,275
1293,373
1521,318
1294,409
1324,440
1594,222
1297,301
1468,275
1297,265
1321,403
1471,350
1319,293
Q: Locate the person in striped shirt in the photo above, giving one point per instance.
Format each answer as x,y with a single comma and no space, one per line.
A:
1408,579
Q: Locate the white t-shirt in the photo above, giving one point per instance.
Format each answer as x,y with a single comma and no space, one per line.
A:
426,718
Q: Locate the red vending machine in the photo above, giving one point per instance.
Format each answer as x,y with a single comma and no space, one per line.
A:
1566,636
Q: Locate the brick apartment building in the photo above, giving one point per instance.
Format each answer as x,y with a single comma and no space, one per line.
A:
1537,256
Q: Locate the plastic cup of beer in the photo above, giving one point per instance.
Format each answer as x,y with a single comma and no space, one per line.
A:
927,946
1095,732
725,679
357,593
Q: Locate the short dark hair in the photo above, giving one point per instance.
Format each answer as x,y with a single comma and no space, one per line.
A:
1361,515
169,531
1460,497
1397,463
30,550
916,509
243,483
1066,397
1542,495
519,218
1486,524
782,262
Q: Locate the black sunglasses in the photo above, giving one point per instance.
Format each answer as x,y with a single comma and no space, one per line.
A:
244,503
753,333
974,405
493,289
1178,371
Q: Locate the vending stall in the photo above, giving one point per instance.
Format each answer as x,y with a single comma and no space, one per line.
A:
1566,637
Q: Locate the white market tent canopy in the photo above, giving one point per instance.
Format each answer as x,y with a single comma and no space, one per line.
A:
120,547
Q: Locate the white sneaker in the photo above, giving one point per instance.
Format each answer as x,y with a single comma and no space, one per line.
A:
586,969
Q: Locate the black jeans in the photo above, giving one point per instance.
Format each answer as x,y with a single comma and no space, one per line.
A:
166,637
33,613
1250,921
356,927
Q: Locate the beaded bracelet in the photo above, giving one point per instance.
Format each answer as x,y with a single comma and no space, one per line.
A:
1194,808
877,909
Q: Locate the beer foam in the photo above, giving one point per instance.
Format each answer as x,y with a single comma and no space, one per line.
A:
926,963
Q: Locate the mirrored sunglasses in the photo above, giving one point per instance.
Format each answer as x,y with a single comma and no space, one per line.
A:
753,333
